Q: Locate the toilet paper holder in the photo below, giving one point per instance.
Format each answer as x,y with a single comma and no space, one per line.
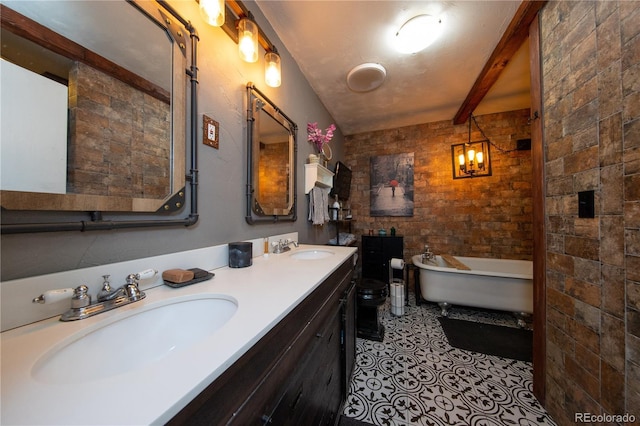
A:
397,285
395,265
397,288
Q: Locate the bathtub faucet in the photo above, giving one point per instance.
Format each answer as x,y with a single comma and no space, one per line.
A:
428,254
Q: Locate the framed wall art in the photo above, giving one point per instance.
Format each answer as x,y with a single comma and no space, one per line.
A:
391,192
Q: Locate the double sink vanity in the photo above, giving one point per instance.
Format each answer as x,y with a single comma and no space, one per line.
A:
271,343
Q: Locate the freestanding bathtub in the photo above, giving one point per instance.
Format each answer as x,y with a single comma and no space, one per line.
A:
500,284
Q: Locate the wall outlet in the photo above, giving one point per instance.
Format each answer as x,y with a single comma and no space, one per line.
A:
210,132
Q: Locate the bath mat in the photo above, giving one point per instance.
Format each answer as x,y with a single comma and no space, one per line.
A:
348,421
506,342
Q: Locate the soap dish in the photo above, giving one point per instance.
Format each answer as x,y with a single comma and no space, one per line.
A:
193,281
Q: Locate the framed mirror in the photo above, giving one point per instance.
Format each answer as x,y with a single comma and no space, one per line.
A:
271,161
98,106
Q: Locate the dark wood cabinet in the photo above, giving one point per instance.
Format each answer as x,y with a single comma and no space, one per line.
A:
348,335
296,374
377,251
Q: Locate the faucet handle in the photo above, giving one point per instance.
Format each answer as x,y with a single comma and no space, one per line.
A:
52,296
80,298
147,273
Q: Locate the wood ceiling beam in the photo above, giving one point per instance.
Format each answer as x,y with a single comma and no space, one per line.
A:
513,37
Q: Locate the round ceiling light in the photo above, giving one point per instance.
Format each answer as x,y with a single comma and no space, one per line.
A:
418,33
366,77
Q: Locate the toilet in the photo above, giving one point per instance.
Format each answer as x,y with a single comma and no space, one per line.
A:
370,295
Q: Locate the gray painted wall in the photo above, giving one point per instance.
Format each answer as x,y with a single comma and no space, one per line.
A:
222,173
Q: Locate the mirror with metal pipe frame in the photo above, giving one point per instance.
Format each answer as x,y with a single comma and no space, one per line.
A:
271,161
114,160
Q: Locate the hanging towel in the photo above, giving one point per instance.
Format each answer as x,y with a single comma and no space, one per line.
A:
318,201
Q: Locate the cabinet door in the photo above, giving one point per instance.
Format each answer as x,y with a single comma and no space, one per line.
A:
372,258
313,394
393,247
348,337
377,251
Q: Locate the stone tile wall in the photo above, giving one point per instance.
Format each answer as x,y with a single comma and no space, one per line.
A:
484,216
119,138
591,80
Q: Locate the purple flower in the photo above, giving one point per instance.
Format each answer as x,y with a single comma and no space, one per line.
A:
316,137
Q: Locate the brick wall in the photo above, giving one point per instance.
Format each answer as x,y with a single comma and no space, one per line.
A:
273,177
591,80
119,138
484,216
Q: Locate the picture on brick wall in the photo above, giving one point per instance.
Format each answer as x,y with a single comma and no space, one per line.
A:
391,192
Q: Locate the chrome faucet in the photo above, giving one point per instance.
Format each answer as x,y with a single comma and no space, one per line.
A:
107,293
428,254
130,289
283,245
107,298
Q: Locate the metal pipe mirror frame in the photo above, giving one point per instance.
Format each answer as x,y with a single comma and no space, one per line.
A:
250,214
96,221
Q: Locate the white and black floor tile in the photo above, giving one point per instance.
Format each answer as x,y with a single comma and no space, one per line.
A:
414,377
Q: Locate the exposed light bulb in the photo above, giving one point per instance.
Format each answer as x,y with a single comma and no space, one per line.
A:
248,40
212,11
472,154
272,69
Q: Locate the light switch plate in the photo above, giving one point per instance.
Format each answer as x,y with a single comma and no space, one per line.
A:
586,204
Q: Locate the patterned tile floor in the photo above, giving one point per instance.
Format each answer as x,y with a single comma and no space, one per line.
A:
414,377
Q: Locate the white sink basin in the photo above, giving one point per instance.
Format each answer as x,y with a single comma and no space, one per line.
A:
133,341
312,254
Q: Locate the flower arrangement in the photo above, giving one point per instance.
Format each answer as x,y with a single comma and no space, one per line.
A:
316,137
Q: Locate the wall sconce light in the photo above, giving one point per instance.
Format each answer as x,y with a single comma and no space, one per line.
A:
248,39
471,159
212,11
241,27
272,68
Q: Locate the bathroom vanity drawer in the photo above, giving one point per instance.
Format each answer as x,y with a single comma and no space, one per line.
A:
277,379
313,393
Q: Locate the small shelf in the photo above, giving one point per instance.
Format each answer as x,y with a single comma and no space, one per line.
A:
317,175
338,223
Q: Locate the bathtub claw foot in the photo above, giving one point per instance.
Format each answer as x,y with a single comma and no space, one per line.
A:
444,306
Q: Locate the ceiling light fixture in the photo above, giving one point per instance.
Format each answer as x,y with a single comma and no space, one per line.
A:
418,33
272,69
212,11
366,77
471,159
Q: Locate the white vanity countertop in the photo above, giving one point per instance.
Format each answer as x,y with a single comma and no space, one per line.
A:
153,393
